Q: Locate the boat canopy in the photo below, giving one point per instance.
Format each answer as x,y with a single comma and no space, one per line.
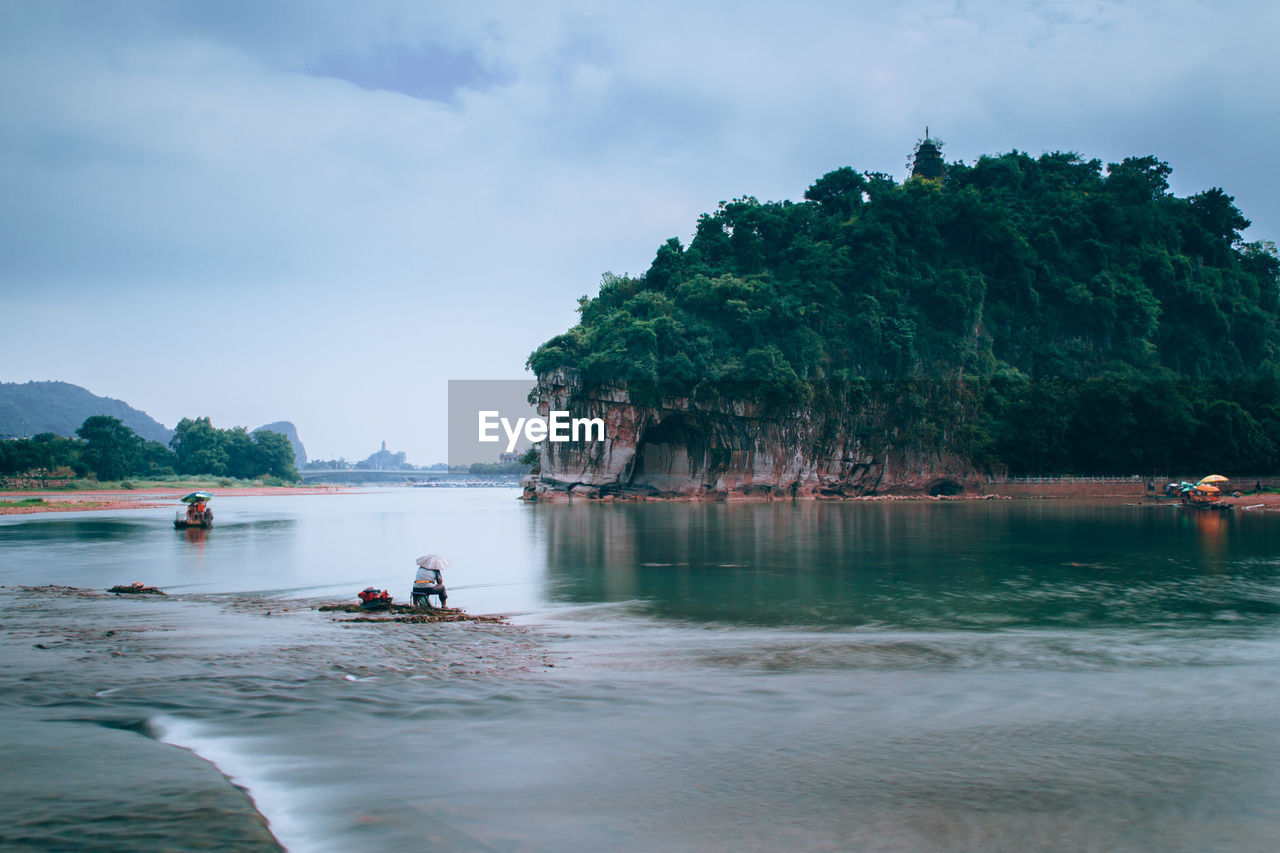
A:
197,497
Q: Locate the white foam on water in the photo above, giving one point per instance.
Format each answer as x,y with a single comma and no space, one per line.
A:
238,760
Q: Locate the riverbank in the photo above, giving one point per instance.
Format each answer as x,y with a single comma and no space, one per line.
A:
159,694
29,501
1097,491
26,501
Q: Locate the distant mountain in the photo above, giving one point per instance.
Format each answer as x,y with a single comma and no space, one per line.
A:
383,460
290,432
28,409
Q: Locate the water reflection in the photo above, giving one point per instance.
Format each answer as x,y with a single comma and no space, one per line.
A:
82,528
664,733
195,536
102,550
1212,529
910,565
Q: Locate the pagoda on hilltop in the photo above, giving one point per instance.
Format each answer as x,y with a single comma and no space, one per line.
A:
926,161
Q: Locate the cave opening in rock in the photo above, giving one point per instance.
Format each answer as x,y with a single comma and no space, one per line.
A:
670,456
945,488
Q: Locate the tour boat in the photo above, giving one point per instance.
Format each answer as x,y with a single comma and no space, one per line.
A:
197,513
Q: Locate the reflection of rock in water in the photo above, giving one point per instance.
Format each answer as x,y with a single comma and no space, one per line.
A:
915,565
754,562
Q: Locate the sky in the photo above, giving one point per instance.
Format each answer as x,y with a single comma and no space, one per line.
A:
322,212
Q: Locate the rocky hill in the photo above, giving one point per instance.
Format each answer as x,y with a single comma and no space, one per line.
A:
1018,313
30,408
290,432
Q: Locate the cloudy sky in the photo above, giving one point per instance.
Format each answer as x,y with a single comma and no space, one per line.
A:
321,212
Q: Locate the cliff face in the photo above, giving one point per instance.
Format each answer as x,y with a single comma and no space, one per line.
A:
724,449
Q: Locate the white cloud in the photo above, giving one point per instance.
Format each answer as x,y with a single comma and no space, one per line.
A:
371,236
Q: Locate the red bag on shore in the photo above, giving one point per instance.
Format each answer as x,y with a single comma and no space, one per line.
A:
374,597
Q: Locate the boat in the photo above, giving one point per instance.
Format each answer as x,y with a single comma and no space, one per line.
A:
197,513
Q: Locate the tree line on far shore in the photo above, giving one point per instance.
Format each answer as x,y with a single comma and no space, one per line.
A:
107,449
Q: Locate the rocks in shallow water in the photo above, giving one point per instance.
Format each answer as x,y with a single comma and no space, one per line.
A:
431,616
359,608
406,613
54,589
136,588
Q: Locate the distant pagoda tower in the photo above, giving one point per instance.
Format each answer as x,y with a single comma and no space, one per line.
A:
926,160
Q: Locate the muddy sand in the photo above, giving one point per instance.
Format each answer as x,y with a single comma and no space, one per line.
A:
394,613
100,500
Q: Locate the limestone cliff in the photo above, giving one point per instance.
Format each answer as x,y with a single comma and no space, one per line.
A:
724,448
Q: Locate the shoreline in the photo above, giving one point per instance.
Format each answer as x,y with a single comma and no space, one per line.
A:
1247,500
152,497
148,497
95,643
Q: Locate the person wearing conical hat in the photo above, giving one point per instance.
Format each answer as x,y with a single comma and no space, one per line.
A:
429,581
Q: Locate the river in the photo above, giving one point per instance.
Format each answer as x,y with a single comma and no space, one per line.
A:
891,676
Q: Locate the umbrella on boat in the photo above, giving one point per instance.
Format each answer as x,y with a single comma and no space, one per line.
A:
1214,478
434,561
196,497
1206,489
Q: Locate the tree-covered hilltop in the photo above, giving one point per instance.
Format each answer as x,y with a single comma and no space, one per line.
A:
31,408
108,449
1082,318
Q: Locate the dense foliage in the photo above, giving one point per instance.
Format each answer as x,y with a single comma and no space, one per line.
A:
110,450
1083,319
202,448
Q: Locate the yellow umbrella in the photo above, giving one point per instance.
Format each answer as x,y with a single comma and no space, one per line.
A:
1214,478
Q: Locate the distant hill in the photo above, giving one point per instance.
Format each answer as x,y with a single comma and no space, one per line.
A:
290,432
28,409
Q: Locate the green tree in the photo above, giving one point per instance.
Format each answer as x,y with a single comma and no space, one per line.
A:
45,451
112,450
243,458
838,193
198,447
155,460
275,455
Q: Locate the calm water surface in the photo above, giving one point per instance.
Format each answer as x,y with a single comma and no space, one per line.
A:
863,676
